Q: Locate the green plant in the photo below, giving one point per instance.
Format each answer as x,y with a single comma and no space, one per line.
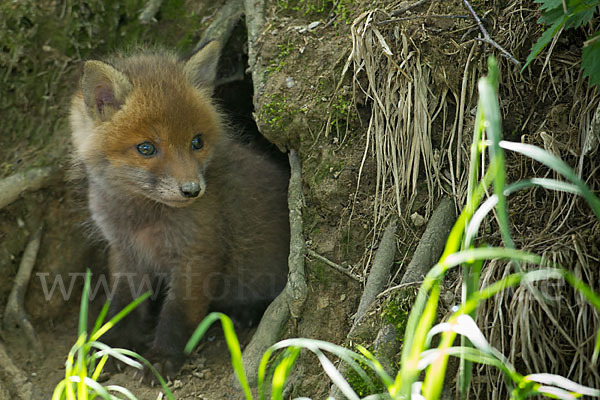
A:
88,356
460,250
316,8
559,15
277,113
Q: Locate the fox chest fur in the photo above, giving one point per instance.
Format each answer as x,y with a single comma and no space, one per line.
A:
199,216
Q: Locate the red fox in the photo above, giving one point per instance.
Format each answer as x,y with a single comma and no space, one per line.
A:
185,209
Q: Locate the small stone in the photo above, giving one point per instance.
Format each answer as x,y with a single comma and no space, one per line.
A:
417,219
313,25
343,297
198,374
448,298
177,384
289,82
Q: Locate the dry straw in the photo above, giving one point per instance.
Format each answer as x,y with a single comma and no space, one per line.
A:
557,110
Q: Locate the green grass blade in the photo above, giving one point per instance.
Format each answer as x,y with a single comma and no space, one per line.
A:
90,383
434,378
232,343
123,355
59,390
100,318
122,390
336,377
282,372
236,354
486,207
83,308
488,100
317,346
563,383
120,315
596,349
558,165
201,331
470,353
409,372
262,369
376,366
98,370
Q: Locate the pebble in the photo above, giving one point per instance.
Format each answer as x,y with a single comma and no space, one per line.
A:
177,384
289,82
417,219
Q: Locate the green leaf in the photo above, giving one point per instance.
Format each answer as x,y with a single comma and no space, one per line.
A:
590,59
549,4
580,12
543,41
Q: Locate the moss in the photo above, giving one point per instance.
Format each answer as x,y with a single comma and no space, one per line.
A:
277,113
319,8
328,169
398,308
278,63
362,387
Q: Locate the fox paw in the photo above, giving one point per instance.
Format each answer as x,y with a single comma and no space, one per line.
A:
167,366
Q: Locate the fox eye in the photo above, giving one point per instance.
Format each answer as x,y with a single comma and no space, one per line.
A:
197,142
146,149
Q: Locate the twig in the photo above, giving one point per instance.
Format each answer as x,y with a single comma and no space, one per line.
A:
391,21
149,12
408,7
15,185
14,379
291,300
14,314
334,265
398,287
486,36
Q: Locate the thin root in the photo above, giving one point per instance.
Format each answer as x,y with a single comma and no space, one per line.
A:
14,314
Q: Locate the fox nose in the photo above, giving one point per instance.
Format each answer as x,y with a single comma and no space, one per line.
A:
190,189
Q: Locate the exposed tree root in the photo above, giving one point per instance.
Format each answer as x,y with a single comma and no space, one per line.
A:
291,300
150,11
222,26
378,278
13,186
426,255
432,242
14,314
380,272
14,380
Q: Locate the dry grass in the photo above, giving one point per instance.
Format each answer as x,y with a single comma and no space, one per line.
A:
419,131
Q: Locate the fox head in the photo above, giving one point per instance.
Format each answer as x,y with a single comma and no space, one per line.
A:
145,124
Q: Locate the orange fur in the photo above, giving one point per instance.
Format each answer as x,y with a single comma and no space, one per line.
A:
225,244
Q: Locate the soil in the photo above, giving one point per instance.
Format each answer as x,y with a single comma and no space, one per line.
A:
309,104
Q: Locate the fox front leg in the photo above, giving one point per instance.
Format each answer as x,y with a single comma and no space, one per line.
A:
185,305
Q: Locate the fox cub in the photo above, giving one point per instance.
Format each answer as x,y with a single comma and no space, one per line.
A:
189,213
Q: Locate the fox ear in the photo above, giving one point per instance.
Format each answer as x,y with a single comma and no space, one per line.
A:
201,69
104,89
